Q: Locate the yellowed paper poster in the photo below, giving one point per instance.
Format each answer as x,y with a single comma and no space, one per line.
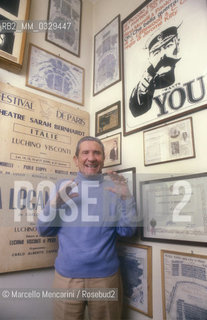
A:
38,140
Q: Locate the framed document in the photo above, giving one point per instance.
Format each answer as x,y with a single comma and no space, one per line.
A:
12,44
130,175
52,74
163,78
169,142
107,56
174,209
112,146
67,16
108,119
136,270
184,288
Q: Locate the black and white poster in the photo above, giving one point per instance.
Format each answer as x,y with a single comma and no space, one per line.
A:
164,62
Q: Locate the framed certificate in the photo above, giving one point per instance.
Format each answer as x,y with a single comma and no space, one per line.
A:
174,209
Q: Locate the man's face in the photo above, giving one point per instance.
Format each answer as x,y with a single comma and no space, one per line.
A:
159,55
90,159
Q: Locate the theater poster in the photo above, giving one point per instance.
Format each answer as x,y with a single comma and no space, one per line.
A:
38,141
164,62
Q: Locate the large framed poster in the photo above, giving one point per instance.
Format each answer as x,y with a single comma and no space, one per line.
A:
38,141
12,43
136,270
68,14
163,77
174,209
184,288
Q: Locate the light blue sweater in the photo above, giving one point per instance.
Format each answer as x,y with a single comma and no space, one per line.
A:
87,233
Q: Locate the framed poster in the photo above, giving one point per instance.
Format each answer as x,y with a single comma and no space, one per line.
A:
39,138
106,70
52,74
12,43
184,288
112,146
162,76
130,175
136,270
67,14
108,119
174,209
170,142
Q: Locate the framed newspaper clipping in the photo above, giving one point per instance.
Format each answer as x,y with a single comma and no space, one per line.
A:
106,70
170,142
174,209
184,288
136,270
12,17
163,77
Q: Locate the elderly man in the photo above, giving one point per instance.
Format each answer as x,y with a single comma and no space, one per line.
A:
163,56
89,213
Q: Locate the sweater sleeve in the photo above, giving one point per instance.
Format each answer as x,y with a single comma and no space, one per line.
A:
127,224
48,221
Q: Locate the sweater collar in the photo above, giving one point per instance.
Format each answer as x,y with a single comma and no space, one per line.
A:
82,177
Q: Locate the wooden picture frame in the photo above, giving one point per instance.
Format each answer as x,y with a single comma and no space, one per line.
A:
108,119
68,15
157,90
137,260
43,73
170,142
107,71
184,289
12,44
112,146
173,209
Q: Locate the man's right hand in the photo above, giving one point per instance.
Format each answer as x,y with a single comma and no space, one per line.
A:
64,194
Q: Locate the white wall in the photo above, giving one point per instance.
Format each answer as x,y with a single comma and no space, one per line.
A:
95,17
132,151
37,309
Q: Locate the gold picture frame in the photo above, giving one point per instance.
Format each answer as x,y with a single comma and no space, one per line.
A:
12,44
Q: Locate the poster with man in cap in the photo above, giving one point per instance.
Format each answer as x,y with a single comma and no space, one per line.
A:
162,75
163,55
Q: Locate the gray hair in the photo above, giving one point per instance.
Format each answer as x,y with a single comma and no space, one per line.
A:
88,138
